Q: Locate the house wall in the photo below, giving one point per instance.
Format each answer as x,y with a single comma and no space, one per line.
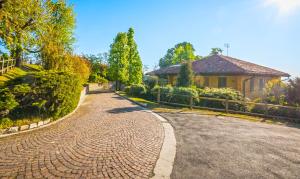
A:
234,82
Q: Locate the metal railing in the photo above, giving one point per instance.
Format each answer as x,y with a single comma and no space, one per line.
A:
6,65
290,113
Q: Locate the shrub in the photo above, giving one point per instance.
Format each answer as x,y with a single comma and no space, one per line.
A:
7,101
221,93
94,78
164,92
293,92
6,123
151,81
180,95
137,90
53,93
81,67
275,92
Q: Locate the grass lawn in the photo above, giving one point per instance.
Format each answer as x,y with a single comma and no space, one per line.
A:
12,74
160,108
18,72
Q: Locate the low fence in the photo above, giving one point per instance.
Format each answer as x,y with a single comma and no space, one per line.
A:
6,65
289,113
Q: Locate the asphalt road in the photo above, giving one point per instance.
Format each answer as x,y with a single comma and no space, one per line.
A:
219,147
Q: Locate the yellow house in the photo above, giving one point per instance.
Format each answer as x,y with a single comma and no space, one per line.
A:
218,71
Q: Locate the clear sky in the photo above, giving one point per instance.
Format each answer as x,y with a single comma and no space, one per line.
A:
265,32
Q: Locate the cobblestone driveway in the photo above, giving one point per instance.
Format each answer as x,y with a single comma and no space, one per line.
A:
108,137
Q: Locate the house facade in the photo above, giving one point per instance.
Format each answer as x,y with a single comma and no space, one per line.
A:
218,71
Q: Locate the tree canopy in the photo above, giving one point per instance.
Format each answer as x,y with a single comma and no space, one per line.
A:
118,59
179,53
186,75
135,64
216,51
38,26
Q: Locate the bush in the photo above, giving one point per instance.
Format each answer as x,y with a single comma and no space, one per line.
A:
55,94
7,101
180,95
151,81
221,93
137,90
6,123
81,67
94,78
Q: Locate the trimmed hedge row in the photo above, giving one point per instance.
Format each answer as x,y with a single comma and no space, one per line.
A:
42,94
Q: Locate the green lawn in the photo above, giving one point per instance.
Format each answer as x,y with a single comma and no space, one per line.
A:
18,72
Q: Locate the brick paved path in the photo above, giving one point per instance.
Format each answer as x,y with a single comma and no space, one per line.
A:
108,137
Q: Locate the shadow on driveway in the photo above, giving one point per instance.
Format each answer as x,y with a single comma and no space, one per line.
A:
125,110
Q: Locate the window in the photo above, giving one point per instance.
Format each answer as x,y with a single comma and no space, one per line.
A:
222,82
206,81
251,85
261,84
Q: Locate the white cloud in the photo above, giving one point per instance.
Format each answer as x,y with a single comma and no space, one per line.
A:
284,7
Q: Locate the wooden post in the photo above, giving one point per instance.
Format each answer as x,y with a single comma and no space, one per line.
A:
191,102
226,105
2,69
266,109
158,95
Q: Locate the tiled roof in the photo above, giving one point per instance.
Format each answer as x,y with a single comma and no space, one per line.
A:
223,65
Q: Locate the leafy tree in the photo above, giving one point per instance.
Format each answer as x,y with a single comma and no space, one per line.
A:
118,60
58,36
135,64
99,65
176,55
293,92
275,92
20,22
186,75
216,51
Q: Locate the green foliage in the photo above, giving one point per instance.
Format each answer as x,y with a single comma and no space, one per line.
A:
180,95
221,93
20,21
118,59
53,94
275,92
94,78
137,90
6,123
42,27
216,51
151,81
186,75
178,54
293,92
7,101
135,63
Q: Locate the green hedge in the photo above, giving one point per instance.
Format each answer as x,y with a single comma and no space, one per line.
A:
180,95
137,90
221,93
45,94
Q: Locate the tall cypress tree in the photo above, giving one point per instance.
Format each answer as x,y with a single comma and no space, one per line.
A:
135,64
118,60
186,75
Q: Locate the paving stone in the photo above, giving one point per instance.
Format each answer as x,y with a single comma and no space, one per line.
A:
24,127
107,137
33,125
13,129
40,123
46,121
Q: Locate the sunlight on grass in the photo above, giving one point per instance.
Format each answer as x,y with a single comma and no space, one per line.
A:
171,109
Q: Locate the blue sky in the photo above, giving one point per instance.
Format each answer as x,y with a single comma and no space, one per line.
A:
265,32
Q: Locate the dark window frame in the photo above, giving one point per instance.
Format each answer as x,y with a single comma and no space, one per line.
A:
252,84
222,82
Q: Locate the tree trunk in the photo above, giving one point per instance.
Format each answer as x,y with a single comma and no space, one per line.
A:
18,57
